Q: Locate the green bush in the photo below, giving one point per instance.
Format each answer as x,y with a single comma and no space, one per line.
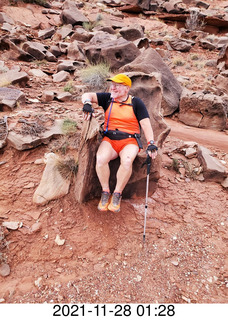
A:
95,76
69,126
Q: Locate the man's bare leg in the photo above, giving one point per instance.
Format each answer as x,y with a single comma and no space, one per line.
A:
127,156
105,154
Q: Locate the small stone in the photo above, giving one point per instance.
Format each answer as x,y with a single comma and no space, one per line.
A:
36,227
12,225
175,262
58,241
138,278
4,270
38,282
29,185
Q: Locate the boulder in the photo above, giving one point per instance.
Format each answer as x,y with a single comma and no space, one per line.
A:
71,14
132,32
174,6
221,83
46,33
75,52
60,76
10,97
53,184
213,170
116,53
81,34
150,61
3,131
4,18
36,49
223,56
148,88
179,44
22,141
14,77
202,110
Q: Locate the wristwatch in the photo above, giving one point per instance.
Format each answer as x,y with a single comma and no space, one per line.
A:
150,142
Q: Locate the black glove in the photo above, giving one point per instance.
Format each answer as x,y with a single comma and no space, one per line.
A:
151,147
87,107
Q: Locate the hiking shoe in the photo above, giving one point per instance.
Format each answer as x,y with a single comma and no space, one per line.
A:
114,204
103,204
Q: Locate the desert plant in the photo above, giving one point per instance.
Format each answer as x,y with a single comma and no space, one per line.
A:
178,62
69,126
88,26
194,21
95,75
69,87
67,167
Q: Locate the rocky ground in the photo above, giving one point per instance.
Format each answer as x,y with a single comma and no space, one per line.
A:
64,252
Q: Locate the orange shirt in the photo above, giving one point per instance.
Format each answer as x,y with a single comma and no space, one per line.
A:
122,117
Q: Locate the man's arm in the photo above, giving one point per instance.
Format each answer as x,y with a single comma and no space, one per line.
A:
89,97
148,131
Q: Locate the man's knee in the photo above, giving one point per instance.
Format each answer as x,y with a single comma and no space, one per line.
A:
101,160
126,162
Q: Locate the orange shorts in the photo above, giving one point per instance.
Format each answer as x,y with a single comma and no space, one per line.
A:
118,145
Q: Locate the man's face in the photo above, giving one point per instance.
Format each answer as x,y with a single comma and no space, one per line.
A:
118,91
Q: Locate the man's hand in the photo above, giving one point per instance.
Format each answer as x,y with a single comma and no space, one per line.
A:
152,150
88,111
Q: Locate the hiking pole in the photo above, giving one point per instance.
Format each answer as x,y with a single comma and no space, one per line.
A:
148,163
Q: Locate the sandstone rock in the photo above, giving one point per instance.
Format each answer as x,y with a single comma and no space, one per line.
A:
174,6
10,97
36,227
221,83
75,52
150,61
62,33
36,49
81,34
202,110
12,225
24,142
213,170
37,73
64,96
181,44
5,18
46,33
132,33
4,270
60,76
71,15
50,57
67,65
14,77
116,53
225,183
58,241
223,56
48,96
207,44
52,185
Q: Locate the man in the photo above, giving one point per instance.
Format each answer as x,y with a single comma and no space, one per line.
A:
124,116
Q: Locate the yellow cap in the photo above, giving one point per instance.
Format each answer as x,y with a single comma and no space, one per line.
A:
121,78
